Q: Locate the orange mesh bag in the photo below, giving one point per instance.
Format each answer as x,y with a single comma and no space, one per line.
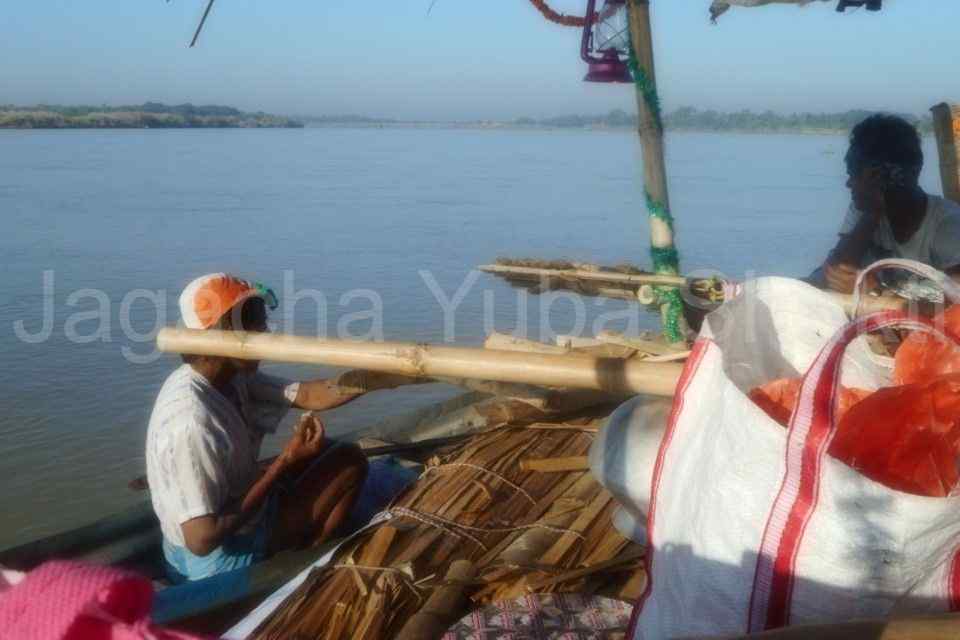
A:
778,398
924,356
906,438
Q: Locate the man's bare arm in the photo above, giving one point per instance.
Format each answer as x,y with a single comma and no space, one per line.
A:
204,534
320,395
853,246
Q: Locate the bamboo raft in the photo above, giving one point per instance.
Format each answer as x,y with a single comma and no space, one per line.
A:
511,511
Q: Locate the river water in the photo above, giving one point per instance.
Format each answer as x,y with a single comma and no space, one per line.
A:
364,233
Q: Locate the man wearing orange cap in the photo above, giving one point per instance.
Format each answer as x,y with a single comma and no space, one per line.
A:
218,510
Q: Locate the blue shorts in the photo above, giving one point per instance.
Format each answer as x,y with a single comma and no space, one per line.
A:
237,552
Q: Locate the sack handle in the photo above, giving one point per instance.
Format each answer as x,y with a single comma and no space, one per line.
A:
811,429
951,291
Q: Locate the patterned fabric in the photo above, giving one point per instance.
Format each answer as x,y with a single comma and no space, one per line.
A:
556,616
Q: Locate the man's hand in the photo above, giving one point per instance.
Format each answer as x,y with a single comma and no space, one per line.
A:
840,277
307,441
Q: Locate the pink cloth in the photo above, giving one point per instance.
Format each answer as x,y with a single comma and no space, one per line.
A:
71,601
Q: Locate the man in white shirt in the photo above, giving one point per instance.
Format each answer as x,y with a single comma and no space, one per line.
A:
891,216
218,509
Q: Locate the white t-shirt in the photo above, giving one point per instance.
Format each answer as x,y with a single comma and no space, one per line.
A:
936,242
203,447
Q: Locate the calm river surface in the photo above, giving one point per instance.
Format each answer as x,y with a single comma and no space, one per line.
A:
369,231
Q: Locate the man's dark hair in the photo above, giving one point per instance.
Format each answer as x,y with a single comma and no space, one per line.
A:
887,139
253,313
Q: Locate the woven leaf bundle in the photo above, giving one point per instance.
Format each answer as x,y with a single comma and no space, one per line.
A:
522,532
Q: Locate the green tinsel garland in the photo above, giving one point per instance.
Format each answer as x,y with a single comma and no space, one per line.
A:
644,86
658,210
670,298
665,260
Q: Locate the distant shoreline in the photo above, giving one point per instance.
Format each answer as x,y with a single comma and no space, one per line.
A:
682,119
150,115
153,115
509,126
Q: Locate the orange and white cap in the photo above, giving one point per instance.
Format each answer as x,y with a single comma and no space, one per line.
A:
205,300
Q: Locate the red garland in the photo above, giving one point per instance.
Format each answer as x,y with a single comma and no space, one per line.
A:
559,18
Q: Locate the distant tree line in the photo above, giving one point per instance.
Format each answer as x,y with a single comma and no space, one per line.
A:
148,115
346,119
693,119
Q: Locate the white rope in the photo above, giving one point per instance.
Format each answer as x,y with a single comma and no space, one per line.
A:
512,485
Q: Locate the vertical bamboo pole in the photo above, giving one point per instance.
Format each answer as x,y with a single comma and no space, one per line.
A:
946,125
662,249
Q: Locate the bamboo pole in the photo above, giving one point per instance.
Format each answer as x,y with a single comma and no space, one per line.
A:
574,370
536,273
628,282
654,162
946,125
441,609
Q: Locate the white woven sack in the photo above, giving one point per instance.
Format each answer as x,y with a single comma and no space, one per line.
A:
622,457
752,526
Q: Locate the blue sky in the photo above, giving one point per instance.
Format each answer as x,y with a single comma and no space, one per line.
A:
468,59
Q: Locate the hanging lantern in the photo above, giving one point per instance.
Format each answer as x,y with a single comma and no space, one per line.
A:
605,46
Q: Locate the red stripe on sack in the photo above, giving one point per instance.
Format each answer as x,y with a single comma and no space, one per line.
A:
700,347
814,448
953,586
768,597
811,429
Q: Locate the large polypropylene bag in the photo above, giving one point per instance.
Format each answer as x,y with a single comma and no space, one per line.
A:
754,527
622,457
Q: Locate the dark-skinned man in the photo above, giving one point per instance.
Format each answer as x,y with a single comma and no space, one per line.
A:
890,216
218,509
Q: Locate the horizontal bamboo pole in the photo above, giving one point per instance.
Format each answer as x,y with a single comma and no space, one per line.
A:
534,273
628,281
571,370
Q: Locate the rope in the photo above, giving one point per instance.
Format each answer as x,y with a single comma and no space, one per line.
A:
451,523
424,518
364,567
513,486
556,17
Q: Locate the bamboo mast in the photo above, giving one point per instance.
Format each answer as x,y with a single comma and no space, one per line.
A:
662,249
946,124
